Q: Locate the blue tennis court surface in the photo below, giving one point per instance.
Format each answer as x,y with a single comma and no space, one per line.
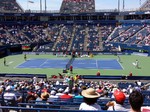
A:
77,64
44,63
97,64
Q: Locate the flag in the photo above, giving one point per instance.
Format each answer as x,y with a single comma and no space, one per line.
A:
26,47
30,1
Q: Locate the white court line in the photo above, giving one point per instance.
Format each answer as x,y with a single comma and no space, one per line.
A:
120,64
10,62
43,63
19,65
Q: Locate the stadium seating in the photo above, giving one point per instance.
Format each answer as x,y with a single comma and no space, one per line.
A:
127,34
60,37
139,36
77,6
10,5
93,38
64,40
146,5
79,36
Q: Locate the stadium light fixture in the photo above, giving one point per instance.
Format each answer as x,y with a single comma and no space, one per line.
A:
123,3
45,5
40,5
118,5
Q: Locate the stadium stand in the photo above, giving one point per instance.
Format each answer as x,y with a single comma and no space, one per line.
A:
79,37
89,31
146,5
29,89
60,37
10,6
127,34
130,34
77,6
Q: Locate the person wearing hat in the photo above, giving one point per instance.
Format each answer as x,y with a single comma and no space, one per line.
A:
53,94
117,105
90,97
43,98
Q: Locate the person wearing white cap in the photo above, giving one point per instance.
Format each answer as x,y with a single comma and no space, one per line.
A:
90,100
53,94
60,92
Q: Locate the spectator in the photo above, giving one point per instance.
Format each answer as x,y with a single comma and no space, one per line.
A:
66,95
60,92
30,97
90,98
34,80
53,94
79,96
2,97
10,97
117,105
44,97
136,101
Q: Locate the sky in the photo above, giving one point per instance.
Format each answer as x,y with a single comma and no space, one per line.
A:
53,5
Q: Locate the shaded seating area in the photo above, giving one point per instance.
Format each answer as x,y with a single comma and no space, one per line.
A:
44,76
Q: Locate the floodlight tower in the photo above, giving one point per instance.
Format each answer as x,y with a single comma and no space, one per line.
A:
118,5
40,5
45,5
123,3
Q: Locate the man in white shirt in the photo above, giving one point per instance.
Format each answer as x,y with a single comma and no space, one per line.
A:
10,97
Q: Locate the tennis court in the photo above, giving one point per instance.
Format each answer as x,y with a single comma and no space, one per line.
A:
77,64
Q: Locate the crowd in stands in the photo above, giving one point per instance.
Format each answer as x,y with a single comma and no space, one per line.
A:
86,95
131,34
93,38
77,37
10,5
64,39
146,5
77,6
